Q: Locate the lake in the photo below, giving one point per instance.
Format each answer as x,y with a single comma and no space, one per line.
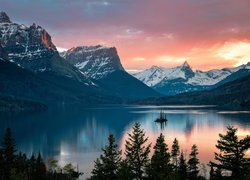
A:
77,134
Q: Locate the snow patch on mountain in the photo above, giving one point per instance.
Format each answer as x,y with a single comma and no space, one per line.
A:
155,75
94,61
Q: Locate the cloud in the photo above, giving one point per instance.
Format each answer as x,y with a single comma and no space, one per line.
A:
238,51
139,59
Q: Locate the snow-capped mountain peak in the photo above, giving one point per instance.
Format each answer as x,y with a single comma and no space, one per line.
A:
94,61
183,76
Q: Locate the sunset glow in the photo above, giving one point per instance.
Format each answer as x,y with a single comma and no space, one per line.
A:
208,34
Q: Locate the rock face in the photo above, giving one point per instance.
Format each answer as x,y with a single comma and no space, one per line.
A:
180,79
94,61
26,46
32,48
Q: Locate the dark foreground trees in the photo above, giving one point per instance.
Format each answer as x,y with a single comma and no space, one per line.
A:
106,167
231,161
15,166
160,166
137,165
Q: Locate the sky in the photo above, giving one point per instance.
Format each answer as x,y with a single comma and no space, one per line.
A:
208,34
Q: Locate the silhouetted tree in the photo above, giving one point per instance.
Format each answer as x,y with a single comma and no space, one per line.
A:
9,150
124,171
232,154
160,166
21,164
182,169
1,165
193,163
40,168
137,152
32,167
175,152
106,166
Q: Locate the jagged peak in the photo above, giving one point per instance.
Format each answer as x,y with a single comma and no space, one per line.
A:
186,64
4,18
155,67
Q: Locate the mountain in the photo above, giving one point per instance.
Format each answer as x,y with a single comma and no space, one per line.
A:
20,83
180,79
94,61
32,48
33,69
234,94
103,64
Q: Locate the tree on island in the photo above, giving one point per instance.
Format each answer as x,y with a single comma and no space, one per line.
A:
137,152
106,167
232,154
160,166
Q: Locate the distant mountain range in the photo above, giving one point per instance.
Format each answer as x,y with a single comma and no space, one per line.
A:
234,94
32,68
180,79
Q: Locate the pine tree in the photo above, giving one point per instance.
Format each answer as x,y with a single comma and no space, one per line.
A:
182,169
175,152
160,166
40,168
232,154
107,165
124,171
193,163
1,165
137,153
9,150
32,166
98,171
21,164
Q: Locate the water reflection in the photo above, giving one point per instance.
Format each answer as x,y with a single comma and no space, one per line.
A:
77,134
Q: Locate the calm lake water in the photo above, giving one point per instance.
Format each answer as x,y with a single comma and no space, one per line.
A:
77,134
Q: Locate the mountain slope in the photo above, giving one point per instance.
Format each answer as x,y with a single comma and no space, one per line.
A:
21,83
103,64
180,79
235,93
32,48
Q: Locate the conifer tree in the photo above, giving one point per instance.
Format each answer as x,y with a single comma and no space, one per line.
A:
182,169
32,166
9,150
21,164
160,166
1,165
137,152
175,152
193,163
40,168
106,166
124,171
232,154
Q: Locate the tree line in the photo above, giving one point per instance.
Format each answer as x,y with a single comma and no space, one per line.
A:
135,162
17,166
230,162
